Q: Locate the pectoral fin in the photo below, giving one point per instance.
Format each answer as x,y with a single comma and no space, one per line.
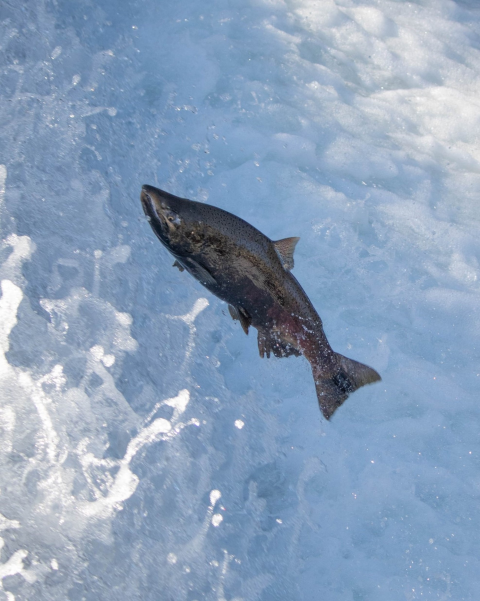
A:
285,249
200,273
179,266
242,316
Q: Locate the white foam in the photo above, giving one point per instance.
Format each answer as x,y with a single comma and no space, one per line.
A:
14,565
179,404
108,360
5,523
22,249
352,124
56,52
52,447
49,438
7,423
97,352
189,318
3,178
217,519
9,303
215,495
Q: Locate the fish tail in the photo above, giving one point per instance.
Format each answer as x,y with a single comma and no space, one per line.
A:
351,375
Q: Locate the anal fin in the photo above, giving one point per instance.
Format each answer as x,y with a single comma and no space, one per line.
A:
269,343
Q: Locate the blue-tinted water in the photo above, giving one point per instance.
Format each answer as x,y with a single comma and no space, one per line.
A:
147,452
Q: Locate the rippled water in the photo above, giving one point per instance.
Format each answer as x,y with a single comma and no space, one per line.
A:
147,452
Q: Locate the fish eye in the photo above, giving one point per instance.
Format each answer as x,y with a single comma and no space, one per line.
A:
172,217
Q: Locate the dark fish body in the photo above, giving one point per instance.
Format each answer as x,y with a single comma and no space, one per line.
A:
250,272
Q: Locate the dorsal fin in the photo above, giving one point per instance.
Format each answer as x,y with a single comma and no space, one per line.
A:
285,248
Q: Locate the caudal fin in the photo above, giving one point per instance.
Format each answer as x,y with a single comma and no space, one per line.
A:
332,392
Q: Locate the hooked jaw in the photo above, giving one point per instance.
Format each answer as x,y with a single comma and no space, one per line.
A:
155,207
159,213
148,202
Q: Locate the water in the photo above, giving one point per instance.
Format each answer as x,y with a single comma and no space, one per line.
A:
147,452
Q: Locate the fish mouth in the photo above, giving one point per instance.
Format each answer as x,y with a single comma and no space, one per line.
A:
158,211
147,201
150,205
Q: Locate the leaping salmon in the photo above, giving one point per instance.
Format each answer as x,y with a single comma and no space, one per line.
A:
252,273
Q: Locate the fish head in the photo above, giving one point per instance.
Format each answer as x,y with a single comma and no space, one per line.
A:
174,220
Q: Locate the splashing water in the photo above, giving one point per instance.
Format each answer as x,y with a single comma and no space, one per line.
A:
48,399
128,404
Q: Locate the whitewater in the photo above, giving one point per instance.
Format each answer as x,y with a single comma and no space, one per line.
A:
146,451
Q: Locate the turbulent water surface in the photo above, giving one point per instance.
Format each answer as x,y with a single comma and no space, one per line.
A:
146,451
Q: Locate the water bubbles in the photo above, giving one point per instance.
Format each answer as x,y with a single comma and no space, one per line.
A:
56,52
217,519
215,495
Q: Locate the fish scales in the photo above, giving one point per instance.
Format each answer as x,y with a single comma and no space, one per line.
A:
251,272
